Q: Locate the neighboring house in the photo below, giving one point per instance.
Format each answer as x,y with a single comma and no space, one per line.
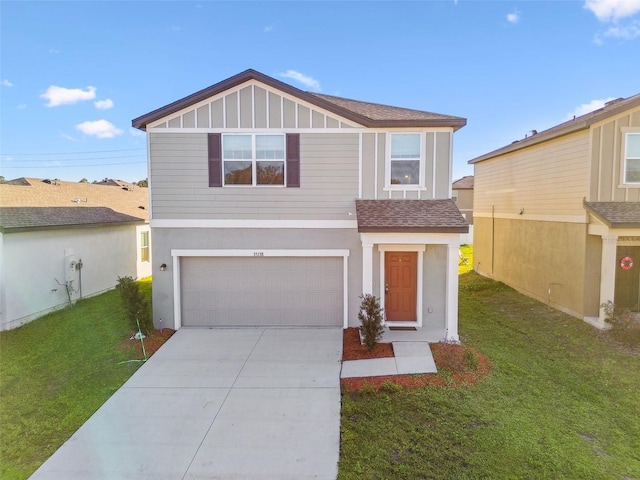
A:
557,215
463,196
275,206
60,241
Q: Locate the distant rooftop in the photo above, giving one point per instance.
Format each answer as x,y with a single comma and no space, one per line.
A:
465,183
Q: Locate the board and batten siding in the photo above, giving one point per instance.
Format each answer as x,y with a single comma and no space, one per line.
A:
607,163
545,179
328,182
252,106
437,162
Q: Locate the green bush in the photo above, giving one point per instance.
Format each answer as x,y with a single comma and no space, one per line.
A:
136,306
370,317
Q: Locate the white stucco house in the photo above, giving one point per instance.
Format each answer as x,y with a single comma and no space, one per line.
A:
278,207
61,241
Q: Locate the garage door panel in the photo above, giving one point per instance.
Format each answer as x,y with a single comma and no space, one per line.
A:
221,291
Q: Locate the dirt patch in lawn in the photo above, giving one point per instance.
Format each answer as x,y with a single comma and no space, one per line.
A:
457,365
152,343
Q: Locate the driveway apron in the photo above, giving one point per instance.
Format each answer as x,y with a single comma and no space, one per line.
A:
245,403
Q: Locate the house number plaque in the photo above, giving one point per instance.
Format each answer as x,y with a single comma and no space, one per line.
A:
258,254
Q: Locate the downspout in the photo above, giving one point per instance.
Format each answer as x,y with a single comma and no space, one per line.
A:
493,232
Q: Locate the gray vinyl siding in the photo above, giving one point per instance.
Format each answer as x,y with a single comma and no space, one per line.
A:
203,117
289,113
328,176
304,120
246,108
217,113
368,166
443,154
231,110
260,105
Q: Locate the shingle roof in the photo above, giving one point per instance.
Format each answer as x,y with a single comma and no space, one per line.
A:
463,183
34,192
611,108
30,218
616,214
363,113
425,216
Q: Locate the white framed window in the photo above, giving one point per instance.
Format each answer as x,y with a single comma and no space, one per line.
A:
144,246
632,158
405,162
253,159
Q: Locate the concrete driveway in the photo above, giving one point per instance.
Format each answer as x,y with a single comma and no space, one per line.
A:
246,403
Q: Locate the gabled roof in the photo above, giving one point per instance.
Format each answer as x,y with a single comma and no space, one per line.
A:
616,214
421,216
366,114
40,218
465,183
614,107
33,192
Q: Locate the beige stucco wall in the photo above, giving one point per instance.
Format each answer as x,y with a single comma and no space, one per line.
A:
536,257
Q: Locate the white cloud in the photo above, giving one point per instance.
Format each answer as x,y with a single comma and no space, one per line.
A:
6,83
612,10
585,108
103,104
302,78
134,132
268,29
628,32
67,96
99,128
513,17
175,28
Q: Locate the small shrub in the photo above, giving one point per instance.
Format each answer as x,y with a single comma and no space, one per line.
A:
370,317
391,387
136,306
471,360
625,326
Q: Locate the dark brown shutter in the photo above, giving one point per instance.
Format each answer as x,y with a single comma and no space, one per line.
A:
293,160
215,160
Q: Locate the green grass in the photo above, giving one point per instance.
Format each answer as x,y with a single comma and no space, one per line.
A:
55,372
559,403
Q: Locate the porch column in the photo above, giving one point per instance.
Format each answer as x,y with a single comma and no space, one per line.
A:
451,313
367,268
607,274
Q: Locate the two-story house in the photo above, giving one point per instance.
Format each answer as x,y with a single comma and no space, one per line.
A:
462,193
275,206
557,214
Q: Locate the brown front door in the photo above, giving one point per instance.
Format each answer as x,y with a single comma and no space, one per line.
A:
627,277
400,274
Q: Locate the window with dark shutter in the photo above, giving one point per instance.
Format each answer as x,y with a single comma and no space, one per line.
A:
293,160
215,160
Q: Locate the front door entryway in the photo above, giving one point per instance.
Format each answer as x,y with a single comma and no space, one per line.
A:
400,285
627,277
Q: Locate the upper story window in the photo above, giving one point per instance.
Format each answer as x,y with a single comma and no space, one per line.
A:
405,160
253,159
632,158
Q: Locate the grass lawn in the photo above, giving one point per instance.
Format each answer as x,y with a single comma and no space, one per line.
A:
55,372
560,403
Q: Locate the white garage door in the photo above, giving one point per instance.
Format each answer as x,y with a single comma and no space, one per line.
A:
273,291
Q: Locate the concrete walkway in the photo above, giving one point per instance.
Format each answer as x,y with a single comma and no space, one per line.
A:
218,403
412,354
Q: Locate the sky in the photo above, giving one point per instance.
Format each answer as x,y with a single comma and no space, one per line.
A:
73,74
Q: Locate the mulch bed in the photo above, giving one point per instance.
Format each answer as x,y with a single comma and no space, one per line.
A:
151,343
448,356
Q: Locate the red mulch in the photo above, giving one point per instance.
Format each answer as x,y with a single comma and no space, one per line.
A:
352,349
446,355
152,342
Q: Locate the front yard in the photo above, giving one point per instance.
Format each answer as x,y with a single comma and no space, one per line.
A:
560,401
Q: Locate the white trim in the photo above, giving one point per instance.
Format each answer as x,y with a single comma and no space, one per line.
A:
257,130
256,252
421,239
387,162
249,223
419,249
177,254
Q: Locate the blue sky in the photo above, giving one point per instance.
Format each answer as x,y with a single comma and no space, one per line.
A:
74,74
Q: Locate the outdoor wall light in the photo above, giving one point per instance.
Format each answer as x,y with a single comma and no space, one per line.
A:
163,267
